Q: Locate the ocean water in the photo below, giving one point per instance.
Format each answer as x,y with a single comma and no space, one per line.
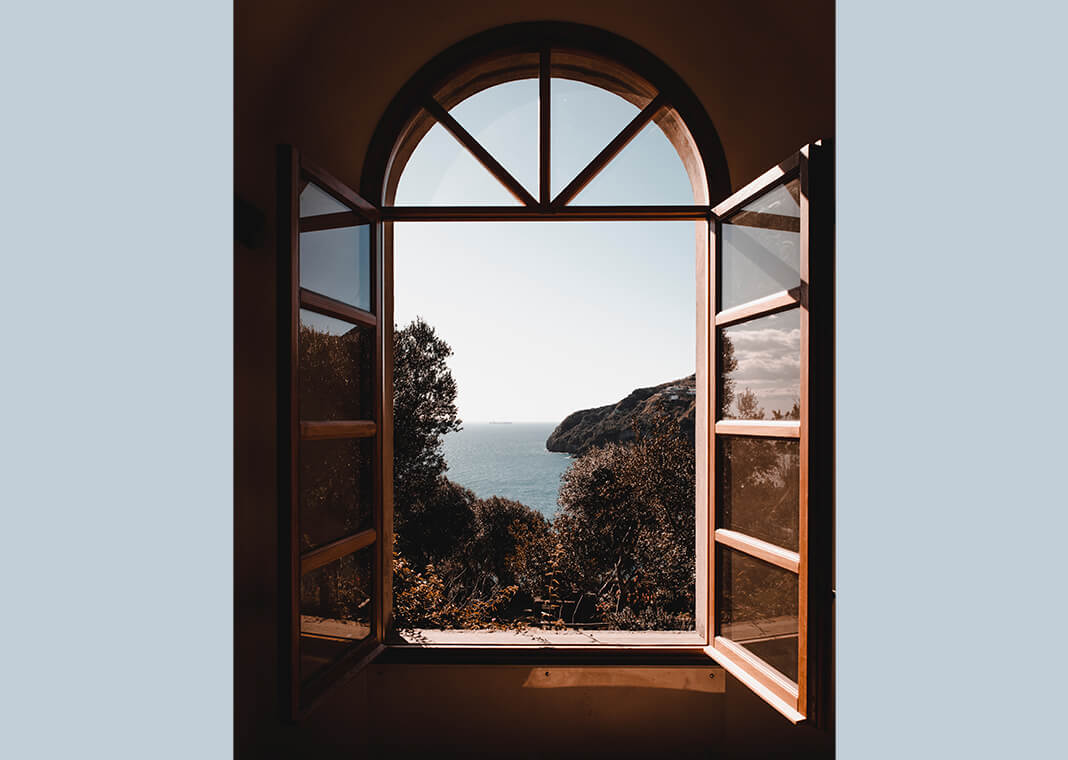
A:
507,460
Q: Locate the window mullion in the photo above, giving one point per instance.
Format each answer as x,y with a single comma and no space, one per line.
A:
324,555
544,127
754,547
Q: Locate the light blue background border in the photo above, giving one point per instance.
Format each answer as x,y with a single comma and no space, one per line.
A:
117,376
117,203
951,280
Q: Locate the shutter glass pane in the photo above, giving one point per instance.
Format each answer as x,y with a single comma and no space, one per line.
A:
504,120
336,489
758,488
761,247
761,368
335,610
757,608
337,263
336,369
315,201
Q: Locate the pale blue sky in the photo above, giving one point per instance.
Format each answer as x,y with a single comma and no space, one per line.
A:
549,317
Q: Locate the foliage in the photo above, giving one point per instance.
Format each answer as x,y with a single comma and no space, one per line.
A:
424,410
424,600
626,527
338,590
620,552
762,490
475,554
728,364
333,373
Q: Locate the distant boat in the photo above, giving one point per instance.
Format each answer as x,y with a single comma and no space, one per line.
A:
495,422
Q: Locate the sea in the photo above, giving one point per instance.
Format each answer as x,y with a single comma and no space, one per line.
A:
507,460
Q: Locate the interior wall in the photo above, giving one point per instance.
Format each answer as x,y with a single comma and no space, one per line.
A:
319,74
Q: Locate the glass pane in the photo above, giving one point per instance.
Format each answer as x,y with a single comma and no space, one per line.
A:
504,120
314,201
584,120
761,247
647,171
336,489
757,608
335,610
337,263
441,172
759,480
336,369
782,200
761,368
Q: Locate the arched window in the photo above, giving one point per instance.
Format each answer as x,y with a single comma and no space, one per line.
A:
555,123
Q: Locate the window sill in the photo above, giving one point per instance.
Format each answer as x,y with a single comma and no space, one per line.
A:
536,637
537,647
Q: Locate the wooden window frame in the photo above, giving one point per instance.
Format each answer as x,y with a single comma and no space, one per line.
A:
294,172
662,104
810,697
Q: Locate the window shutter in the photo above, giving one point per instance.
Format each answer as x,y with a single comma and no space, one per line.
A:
771,441
334,431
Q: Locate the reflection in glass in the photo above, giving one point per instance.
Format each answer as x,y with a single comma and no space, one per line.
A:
315,201
335,610
441,172
761,247
335,369
585,118
647,171
760,368
782,200
757,608
337,263
336,489
758,488
504,120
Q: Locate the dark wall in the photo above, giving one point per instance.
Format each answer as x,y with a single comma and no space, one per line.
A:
319,74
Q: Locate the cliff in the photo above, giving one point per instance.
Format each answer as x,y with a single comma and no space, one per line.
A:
587,428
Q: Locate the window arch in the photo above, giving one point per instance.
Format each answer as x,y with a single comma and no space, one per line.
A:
545,51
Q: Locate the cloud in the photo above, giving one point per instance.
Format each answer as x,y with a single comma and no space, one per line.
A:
767,339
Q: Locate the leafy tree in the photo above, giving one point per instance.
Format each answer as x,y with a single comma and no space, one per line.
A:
459,560
424,600
794,413
620,551
728,364
510,546
626,528
429,513
747,406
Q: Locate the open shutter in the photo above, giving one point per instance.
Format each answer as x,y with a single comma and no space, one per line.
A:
771,448
334,426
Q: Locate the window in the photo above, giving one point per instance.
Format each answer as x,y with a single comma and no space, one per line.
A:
331,430
771,442
764,379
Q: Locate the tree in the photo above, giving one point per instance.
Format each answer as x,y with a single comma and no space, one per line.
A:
459,560
748,408
424,410
626,528
728,364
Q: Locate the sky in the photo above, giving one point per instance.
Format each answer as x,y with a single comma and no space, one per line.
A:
546,318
